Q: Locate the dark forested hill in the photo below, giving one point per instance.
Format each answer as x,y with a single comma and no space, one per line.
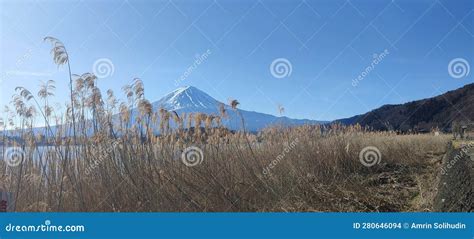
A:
439,111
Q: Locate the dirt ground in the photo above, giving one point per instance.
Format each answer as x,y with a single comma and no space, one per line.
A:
404,188
429,187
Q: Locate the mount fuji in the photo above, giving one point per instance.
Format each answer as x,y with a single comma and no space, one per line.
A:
190,99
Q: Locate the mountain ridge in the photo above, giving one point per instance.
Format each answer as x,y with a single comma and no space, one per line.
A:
422,115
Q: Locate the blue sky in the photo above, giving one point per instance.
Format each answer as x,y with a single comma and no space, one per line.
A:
328,44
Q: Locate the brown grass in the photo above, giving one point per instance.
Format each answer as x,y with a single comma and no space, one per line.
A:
297,169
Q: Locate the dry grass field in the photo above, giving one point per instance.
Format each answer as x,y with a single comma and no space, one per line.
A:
308,168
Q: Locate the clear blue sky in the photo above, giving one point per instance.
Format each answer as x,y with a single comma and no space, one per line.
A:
328,43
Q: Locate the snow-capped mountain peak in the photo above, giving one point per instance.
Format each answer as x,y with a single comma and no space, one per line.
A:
187,97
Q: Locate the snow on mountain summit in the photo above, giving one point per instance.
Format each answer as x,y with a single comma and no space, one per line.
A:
187,97
190,99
